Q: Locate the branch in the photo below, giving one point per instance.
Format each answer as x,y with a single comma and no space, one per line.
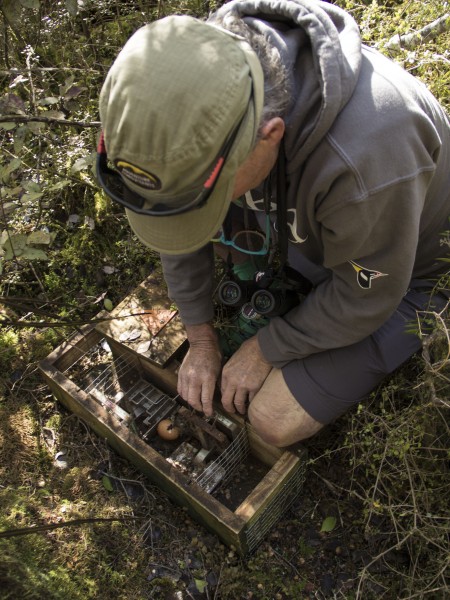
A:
4,322
48,120
17,71
409,41
40,528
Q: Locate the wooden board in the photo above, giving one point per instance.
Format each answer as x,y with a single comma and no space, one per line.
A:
146,323
271,485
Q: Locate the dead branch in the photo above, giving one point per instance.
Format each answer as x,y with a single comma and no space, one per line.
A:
41,528
6,322
47,120
409,41
16,71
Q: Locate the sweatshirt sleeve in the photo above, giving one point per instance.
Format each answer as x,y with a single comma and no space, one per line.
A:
189,279
370,247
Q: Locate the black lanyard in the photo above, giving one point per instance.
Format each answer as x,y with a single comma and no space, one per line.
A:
282,207
290,278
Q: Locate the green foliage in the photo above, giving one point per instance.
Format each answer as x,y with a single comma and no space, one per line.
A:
379,21
9,347
398,443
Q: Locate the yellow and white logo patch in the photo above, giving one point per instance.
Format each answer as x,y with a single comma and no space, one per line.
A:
138,176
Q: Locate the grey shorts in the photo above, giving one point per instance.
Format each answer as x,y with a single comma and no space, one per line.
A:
327,384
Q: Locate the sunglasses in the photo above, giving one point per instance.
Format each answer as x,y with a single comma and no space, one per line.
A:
112,183
250,242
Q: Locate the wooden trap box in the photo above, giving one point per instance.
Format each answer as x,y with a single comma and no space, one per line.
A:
228,479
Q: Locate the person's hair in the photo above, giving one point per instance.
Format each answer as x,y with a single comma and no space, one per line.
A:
277,96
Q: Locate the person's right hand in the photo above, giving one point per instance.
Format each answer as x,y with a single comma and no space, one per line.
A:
201,368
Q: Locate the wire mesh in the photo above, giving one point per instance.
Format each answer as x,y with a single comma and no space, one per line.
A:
116,383
117,379
151,403
221,469
273,511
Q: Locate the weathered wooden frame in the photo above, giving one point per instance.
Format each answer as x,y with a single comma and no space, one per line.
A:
243,528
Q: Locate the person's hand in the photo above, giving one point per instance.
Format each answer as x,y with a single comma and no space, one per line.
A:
243,376
201,368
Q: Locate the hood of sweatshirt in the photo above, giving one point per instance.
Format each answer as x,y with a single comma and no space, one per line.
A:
321,47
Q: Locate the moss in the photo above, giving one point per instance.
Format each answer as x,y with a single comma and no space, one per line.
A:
9,349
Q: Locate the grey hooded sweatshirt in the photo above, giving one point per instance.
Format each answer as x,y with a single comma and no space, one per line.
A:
368,175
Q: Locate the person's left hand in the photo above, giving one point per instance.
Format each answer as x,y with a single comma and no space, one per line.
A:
243,376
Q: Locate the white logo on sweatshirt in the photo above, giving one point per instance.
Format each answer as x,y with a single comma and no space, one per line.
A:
258,205
296,239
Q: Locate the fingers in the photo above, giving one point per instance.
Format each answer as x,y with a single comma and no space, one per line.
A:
207,394
235,400
242,378
196,385
199,396
228,399
240,401
192,395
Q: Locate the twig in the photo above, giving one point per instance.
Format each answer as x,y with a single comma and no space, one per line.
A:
40,528
366,568
48,120
218,581
16,71
284,560
122,481
336,488
328,483
409,41
63,323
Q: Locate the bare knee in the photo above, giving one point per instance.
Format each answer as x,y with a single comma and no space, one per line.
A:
276,415
283,434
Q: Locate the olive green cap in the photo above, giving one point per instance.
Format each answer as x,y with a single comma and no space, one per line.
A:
176,92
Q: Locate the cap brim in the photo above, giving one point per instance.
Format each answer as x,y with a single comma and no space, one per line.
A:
189,231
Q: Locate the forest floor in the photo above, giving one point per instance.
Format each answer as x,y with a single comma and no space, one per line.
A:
160,552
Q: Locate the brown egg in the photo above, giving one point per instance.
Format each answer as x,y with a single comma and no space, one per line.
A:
167,430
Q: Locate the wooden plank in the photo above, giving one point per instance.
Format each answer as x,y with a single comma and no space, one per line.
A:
74,348
170,341
146,323
271,485
264,507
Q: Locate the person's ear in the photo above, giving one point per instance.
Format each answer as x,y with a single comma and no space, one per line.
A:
273,130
